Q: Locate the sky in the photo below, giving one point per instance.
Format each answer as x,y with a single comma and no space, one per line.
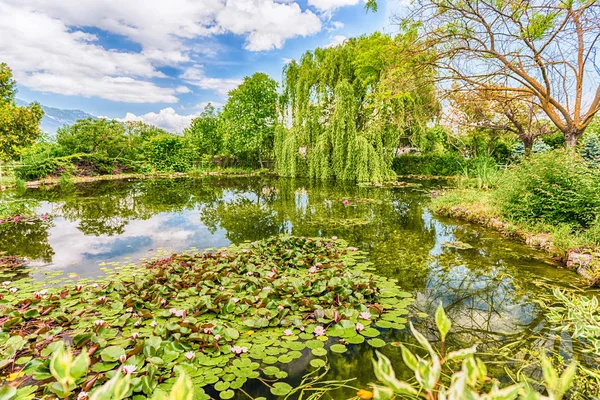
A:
162,61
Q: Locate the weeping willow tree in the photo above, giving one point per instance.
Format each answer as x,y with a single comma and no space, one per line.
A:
351,106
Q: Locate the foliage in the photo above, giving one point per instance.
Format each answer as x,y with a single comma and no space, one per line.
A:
103,136
19,126
538,147
249,119
204,135
552,187
578,315
590,149
167,153
469,382
79,164
222,317
482,172
445,164
350,105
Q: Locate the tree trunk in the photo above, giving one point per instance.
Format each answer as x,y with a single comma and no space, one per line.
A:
527,144
572,137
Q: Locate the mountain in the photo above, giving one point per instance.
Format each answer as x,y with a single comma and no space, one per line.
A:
54,118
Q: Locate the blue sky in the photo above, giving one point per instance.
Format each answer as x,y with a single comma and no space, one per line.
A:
162,61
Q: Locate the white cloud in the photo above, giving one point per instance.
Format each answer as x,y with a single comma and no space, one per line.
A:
43,42
335,25
336,40
330,5
286,60
167,119
196,76
267,24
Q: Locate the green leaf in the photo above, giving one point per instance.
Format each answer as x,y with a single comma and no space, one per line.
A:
376,342
182,389
7,392
442,321
112,353
280,389
338,348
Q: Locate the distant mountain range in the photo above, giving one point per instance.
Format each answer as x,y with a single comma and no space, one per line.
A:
54,118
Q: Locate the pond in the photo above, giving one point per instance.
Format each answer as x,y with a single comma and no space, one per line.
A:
488,284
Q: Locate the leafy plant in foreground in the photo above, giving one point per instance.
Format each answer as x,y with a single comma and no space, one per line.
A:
470,382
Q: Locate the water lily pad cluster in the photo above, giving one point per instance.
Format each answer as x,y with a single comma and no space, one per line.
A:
225,317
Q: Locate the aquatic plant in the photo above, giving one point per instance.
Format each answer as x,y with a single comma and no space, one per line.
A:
437,378
221,317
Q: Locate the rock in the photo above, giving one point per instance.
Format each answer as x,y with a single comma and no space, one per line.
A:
586,263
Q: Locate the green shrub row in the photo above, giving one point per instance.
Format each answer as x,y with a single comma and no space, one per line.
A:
447,164
79,164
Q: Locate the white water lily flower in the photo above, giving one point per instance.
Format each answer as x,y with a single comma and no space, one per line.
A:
82,396
190,355
365,315
360,327
13,290
288,332
129,369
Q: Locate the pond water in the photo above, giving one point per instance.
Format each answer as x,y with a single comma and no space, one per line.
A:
489,289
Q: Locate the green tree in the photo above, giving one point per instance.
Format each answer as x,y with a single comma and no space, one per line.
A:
204,135
19,126
351,106
102,136
249,119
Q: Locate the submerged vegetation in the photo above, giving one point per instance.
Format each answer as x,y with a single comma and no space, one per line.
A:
223,317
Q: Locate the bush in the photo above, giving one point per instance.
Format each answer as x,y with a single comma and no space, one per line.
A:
590,149
553,187
76,165
446,164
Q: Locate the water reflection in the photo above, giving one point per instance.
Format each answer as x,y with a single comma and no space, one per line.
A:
489,290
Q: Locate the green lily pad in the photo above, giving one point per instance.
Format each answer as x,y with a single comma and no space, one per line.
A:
376,342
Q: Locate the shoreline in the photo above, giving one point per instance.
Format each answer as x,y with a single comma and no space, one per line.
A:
583,261
52,181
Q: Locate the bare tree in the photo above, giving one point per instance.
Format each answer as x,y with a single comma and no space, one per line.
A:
538,48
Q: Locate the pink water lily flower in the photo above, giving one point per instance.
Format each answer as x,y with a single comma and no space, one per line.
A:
217,338
334,238
78,287
43,292
102,299
280,308
95,285
135,335
123,358
99,322
270,274
153,324
239,349
312,270
365,315
249,273
209,330
190,355
82,396
288,332
37,295
13,290
346,202
221,288
360,327
235,299
352,249
319,331
45,217
6,283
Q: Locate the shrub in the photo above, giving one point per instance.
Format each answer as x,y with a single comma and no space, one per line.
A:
481,172
75,165
553,187
446,164
591,149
